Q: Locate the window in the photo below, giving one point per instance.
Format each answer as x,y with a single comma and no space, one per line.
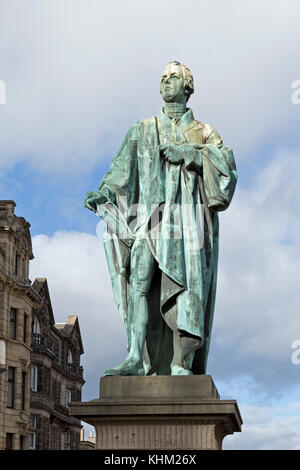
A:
70,359
36,326
68,397
17,264
33,378
32,422
67,440
25,328
2,353
9,441
13,323
10,387
36,331
23,395
21,442
32,440
77,395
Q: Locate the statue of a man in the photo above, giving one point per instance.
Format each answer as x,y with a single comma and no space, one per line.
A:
162,256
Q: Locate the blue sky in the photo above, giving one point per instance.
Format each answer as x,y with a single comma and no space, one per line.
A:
78,74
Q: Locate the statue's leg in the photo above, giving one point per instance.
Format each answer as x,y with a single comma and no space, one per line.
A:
178,366
142,265
184,348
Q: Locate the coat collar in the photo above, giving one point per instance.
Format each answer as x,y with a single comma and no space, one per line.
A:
184,122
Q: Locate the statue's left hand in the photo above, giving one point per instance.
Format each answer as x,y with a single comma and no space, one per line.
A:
173,153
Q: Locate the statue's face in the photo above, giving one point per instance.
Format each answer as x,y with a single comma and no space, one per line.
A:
172,84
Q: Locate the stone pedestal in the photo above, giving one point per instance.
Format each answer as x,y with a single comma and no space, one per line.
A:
159,412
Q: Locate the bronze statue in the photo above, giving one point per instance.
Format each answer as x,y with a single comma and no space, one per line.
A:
177,175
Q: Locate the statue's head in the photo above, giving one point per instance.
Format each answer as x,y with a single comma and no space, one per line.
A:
177,83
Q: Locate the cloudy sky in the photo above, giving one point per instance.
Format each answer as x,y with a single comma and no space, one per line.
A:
78,74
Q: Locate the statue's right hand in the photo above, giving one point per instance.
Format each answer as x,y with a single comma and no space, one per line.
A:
92,198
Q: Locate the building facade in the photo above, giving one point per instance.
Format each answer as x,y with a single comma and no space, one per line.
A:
40,371
56,377
17,299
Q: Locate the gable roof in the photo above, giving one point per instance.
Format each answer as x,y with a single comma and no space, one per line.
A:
40,286
67,328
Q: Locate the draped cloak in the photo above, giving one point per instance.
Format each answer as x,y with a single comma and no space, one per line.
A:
183,290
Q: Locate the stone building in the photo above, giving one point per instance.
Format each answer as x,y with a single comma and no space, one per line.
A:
89,443
40,370
17,299
56,377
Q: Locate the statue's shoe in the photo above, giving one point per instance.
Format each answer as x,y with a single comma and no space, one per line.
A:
179,370
128,367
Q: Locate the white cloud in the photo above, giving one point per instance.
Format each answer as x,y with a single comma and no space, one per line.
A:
266,428
79,284
258,307
257,310
79,73
257,299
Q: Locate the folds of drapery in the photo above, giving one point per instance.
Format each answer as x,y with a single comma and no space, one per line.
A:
187,287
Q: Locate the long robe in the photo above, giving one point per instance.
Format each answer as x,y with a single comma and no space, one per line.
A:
182,295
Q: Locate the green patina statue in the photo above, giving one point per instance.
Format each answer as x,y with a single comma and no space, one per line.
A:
160,201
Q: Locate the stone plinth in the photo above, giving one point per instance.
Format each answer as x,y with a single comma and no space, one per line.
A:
159,412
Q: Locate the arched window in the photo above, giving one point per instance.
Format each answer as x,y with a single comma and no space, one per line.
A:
70,358
70,361
36,331
36,326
